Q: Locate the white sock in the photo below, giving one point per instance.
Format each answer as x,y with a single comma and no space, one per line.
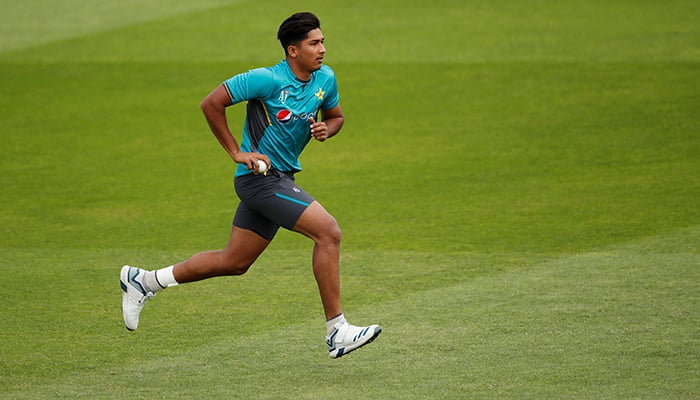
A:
330,324
158,280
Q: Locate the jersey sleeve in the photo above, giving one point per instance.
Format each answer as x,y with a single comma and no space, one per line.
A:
254,84
332,97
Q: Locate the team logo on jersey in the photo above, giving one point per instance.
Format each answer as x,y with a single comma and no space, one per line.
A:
284,116
320,93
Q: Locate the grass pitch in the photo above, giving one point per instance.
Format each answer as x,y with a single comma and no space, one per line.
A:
533,232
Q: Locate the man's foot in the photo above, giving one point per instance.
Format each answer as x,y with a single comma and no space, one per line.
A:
346,338
134,295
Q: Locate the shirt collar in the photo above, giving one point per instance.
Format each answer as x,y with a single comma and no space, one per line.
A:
294,77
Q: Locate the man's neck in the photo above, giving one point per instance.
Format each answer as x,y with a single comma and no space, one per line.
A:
301,74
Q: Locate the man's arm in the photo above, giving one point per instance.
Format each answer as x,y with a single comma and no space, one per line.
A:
214,109
333,120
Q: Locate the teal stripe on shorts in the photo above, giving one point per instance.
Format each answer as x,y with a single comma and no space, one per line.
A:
292,199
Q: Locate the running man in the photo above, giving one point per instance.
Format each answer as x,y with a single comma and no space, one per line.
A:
283,102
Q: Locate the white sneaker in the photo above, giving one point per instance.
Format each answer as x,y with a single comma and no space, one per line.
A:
346,338
134,295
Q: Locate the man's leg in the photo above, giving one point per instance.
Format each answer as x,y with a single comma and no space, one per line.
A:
243,248
323,229
139,285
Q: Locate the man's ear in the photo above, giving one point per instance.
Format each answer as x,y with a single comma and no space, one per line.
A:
292,50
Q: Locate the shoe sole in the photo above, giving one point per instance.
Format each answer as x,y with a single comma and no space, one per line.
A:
341,352
123,281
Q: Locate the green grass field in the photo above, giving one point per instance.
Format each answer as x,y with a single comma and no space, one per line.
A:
518,185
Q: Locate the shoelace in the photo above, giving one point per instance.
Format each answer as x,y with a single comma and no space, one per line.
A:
147,296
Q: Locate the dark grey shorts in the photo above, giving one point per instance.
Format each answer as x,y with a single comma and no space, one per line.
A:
268,202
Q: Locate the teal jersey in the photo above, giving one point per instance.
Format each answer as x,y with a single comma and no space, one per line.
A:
278,111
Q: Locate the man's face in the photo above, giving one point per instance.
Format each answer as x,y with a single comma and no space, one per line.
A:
310,51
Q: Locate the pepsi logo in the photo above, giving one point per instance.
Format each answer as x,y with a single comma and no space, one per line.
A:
284,116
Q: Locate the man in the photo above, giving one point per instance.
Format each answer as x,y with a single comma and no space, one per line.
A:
281,118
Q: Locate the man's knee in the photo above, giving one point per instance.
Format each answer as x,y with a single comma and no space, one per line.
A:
336,233
331,233
236,266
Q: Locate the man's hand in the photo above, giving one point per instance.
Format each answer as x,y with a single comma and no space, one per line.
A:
250,160
319,130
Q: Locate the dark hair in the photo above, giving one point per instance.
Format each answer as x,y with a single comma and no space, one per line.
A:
296,28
